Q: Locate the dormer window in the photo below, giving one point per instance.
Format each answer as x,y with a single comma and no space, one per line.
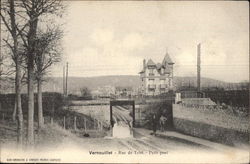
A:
151,72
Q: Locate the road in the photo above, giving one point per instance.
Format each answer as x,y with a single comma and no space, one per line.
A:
173,147
166,146
57,143
140,139
143,142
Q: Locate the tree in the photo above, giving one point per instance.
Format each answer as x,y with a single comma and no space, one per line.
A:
35,10
47,53
8,15
6,71
161,108
85,92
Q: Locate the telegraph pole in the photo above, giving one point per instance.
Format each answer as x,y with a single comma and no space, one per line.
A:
64,80
199,67
67,69
1,71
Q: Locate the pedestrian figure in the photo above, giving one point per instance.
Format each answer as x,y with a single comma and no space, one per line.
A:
163,121
154,124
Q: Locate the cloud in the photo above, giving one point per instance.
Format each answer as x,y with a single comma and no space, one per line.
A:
102,36
134,41
129,41
106,36
113,47
96,61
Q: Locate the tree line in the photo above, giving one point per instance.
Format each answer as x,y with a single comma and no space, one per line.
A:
30,45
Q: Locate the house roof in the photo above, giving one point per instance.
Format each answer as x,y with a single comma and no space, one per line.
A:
167,68
150,63
141,72
167,59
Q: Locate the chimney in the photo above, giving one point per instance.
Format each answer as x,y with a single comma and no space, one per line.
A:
199,67
144,64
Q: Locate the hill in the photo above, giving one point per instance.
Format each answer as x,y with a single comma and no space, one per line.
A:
75,83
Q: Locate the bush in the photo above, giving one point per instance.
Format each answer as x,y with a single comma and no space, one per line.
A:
76,97
51,100
236,98
7,102
162,108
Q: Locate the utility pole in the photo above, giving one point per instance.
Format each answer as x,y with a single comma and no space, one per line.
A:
64,80
67,78
1,71
199,67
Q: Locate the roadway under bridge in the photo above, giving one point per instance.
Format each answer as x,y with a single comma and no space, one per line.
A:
122,119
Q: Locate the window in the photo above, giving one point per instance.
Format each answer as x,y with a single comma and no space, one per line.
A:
151,81
162,70
162,81
151,72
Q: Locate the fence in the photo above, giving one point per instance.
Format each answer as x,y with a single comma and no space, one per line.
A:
239,98
53,113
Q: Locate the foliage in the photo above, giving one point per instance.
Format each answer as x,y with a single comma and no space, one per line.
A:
50,99
238,98
85,92
162,108
48,50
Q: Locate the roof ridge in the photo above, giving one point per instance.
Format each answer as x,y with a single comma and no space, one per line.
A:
150,62
167,59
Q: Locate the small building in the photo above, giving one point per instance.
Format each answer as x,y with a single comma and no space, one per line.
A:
123,91
157,78
104,91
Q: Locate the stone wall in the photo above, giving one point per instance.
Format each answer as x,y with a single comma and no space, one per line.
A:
211,125
210,132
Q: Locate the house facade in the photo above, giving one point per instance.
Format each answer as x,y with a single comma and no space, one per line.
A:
157,78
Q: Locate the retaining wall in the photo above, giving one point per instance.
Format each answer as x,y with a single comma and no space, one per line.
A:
211,132
203,129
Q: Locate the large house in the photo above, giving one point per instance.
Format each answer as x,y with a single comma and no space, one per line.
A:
157,78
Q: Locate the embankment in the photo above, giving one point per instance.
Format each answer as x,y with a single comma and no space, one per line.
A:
212,125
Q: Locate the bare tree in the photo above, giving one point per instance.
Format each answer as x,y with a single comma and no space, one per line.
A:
35,10
6,71
9,18
47,53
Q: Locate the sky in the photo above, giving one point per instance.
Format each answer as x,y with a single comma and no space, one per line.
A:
112,38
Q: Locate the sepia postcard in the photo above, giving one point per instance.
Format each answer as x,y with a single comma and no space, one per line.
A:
124,81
